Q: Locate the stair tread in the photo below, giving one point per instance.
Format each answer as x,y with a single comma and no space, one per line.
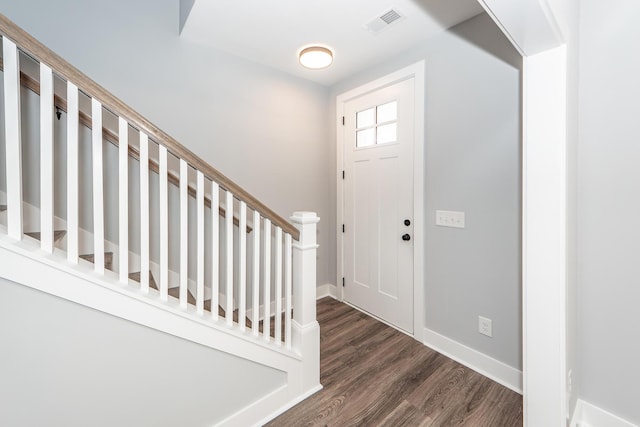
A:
175,292
108,259
57,234
136,278
222,313
207,307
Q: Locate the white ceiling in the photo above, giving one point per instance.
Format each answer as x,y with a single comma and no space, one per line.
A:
271,32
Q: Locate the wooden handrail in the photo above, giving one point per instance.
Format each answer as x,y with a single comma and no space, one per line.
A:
41,53
85,119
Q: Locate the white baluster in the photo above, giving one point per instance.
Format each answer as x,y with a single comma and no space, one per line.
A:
266,324
200,244
287,290
144,212
13,138
184,232
215,249
46,158
242,277
278,286
229,257
98,197
256,273
72,173
123,199
164,223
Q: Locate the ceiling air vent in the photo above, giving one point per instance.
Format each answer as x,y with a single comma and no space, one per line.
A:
384,20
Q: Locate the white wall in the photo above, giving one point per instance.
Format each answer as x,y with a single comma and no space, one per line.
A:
473,152
609,206
262,128
63,364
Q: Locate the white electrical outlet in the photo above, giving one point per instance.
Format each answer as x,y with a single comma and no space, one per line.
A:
484,326
450,219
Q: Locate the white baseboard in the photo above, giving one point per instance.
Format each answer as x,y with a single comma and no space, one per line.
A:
327,290
588,415
284,408
489,367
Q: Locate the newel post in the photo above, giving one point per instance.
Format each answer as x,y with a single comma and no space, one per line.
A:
305,328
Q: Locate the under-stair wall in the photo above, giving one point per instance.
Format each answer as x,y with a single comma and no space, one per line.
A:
113,372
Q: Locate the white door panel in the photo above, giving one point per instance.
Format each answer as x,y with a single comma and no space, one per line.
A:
378,156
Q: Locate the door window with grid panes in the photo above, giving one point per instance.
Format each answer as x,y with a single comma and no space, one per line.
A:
377,125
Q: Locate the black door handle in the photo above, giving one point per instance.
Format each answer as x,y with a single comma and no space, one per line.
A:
406,237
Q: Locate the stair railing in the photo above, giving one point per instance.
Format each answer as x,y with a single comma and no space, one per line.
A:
293,263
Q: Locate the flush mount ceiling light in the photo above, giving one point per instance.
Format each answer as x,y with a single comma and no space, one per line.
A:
315,57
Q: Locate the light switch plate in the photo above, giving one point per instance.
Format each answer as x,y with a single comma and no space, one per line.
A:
450,219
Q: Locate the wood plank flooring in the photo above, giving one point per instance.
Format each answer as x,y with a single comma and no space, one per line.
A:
374,375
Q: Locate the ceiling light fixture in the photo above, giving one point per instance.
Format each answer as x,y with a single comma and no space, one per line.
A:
315,57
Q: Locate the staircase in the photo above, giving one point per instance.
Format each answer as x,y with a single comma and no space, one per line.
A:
226,272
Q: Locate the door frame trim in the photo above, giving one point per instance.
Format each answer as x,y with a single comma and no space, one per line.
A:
417,72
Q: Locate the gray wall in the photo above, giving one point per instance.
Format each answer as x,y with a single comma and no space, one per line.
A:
63,364
245,119
472,165
609,206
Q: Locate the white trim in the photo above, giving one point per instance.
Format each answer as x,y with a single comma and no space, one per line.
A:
528,24
499,372
544,238
588,415
284,408
381,320
327,290
417,72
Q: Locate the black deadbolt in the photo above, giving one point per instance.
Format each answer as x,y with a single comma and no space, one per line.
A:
406,237
407,222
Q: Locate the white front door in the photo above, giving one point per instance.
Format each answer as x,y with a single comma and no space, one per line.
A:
378,203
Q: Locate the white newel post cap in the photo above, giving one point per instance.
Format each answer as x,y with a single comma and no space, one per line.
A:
304,217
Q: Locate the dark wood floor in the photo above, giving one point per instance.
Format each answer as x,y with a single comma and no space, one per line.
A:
374,375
